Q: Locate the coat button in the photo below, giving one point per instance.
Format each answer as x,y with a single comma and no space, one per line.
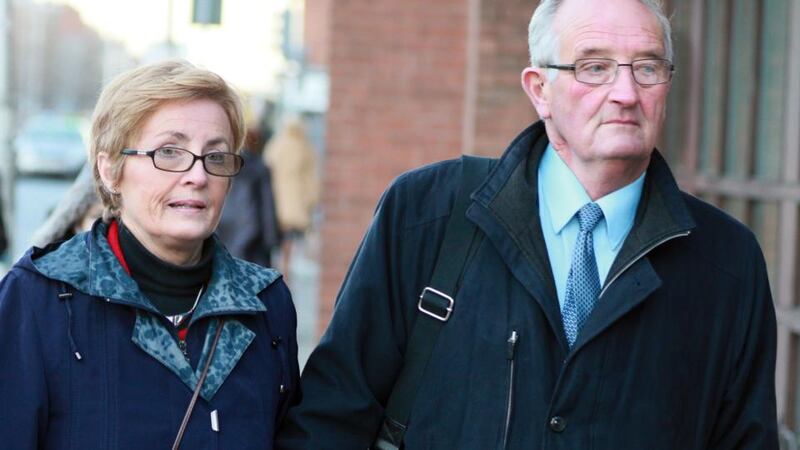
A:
558,424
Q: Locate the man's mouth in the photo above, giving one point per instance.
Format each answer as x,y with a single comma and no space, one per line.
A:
621,122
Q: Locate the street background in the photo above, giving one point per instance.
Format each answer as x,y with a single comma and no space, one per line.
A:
387,85
55,56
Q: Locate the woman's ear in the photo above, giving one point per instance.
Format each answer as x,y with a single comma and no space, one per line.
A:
104,168
536,86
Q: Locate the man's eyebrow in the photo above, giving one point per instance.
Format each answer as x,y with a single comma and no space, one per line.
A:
597,52
588,52
651,54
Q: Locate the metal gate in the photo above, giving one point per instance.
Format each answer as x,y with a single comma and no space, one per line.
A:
733,138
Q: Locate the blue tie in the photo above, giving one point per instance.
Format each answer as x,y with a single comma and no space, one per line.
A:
583,284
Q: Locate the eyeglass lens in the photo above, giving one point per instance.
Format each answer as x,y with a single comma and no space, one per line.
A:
180,160
602,71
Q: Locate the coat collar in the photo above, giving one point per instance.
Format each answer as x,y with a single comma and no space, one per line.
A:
506,208
87,262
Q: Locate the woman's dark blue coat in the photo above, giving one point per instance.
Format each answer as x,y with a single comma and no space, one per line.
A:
86,362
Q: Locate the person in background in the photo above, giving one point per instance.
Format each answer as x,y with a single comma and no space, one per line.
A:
602,308
293,163
3,235
144,332
249,225
78,210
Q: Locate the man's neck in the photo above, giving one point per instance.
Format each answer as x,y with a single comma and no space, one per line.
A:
600,178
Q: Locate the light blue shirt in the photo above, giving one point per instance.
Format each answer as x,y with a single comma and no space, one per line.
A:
561,195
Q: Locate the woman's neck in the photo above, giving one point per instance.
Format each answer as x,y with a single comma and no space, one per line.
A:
172,288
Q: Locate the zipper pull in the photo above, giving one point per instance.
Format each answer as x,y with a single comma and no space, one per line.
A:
182,342
511,345
184,348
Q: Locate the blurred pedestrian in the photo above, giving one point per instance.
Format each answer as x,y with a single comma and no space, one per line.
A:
291,158
78,210
3,236
145,332
249,225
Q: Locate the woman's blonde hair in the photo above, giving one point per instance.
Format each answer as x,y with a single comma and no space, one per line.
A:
130,98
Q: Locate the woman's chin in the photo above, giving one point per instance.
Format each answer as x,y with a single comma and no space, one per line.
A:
190,225
187,236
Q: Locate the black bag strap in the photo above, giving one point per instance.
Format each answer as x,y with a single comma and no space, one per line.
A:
435,304
188,414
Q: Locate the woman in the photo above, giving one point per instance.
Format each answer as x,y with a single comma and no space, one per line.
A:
105,339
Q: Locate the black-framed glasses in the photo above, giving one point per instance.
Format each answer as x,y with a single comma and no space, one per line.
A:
174,159
646,72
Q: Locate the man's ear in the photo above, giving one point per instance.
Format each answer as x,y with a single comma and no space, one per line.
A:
535,85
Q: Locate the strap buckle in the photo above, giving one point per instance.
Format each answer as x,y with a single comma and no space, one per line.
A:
442,303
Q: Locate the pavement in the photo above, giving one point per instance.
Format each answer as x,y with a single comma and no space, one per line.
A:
303,281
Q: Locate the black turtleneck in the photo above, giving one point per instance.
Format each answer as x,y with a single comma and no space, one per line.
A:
170,288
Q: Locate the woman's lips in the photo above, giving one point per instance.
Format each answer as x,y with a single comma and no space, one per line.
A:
187,204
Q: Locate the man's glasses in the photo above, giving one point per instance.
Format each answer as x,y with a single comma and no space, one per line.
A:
173,159
646,72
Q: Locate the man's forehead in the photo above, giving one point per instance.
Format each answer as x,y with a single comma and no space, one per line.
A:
596,28
590,42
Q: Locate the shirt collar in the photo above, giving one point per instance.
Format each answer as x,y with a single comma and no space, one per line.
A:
563,195
619,210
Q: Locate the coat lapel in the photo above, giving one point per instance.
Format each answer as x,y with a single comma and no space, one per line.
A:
506,209
233,342
151,336
639,282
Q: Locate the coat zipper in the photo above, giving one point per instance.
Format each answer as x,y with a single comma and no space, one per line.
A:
184,348
639,256
511,348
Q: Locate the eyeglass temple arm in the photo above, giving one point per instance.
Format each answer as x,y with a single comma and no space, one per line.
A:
560,66
130,151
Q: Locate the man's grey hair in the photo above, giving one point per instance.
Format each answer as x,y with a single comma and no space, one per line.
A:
543,42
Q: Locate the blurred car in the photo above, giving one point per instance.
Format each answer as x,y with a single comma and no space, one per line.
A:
51,144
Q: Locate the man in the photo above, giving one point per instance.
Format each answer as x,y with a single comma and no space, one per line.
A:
602,309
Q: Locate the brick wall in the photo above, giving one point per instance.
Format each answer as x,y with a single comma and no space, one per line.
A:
503,109
317,31
412,82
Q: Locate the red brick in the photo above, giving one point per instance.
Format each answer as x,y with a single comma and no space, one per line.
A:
398,91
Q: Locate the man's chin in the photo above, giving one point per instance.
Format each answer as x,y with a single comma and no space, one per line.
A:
626,147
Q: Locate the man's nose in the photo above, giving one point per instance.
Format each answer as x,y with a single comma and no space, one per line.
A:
624,89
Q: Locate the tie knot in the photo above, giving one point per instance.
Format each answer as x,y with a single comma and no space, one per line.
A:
588,216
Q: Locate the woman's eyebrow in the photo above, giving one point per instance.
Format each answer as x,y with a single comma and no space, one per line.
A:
217,141
176,134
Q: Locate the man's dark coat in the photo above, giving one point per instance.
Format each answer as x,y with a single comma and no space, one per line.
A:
678,354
